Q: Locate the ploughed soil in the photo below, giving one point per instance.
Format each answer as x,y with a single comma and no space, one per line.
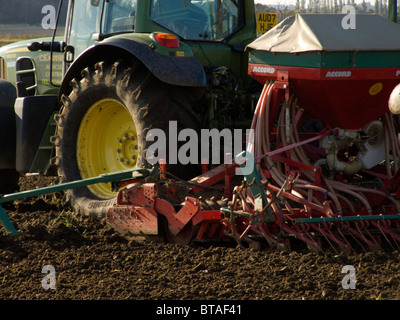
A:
92,261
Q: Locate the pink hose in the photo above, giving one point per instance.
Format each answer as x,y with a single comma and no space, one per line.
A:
262,145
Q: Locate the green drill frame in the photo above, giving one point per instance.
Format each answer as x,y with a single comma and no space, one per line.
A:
256,188
135,173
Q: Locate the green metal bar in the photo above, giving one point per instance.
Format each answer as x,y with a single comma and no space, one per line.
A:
240,213
347,219
256,188
107,177
5,221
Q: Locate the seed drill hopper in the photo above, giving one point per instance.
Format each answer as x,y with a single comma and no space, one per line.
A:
325,140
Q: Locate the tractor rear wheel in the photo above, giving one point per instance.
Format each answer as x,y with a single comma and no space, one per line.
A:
103,124
9,181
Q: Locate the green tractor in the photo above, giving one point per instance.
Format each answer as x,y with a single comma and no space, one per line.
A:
81,105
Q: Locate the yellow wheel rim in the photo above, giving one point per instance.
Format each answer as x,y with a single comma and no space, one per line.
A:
107,142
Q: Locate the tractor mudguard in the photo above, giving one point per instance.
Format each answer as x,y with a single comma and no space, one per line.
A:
8,94
180,71
32,116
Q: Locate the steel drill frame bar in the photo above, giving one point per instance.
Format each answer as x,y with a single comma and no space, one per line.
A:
347,219
257,190
7,224
107,177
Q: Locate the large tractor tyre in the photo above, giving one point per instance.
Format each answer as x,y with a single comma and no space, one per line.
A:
103,124
9,177
9,181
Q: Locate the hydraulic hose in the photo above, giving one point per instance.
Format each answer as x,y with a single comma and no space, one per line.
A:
287,133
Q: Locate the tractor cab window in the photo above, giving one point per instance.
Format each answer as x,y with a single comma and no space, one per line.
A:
84,24
209,20
119,16
113,16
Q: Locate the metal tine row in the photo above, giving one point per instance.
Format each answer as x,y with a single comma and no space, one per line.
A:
341,236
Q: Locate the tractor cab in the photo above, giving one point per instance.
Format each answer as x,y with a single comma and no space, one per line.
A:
207,20
198,20
217,30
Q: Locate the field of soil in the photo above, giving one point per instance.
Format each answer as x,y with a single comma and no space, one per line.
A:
93,262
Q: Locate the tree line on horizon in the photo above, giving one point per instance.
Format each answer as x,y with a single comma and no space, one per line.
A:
326,6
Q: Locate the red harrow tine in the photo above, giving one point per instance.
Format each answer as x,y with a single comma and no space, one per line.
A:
343,244
373,243
314,244
353,235
384,228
